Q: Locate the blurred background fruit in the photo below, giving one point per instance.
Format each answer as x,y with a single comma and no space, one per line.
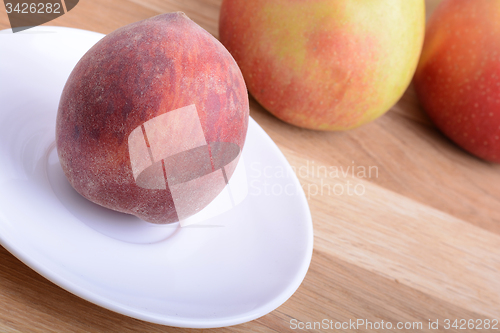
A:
323,64
458,77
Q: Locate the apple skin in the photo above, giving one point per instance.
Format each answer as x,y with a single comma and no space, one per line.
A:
458,76
128,79
323,64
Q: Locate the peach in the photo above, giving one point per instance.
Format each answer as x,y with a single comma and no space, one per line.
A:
458,77
152,119
323,64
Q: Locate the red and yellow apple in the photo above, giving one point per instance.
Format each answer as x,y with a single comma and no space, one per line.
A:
152,119
325,64
458,76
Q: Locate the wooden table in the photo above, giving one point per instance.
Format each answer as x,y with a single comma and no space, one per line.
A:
421,243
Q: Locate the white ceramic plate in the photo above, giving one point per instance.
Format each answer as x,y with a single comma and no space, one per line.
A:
234,267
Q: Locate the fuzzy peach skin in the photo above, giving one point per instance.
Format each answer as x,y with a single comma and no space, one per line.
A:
325,64
126,82
458,77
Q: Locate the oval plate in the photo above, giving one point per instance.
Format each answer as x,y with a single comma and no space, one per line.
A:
232,268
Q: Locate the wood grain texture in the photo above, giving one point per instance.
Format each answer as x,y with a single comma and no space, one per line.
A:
421,242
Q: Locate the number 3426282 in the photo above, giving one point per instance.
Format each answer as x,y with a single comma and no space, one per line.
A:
33,8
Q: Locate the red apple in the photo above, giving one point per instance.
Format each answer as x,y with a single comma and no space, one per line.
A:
325,64
152,119
458,77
